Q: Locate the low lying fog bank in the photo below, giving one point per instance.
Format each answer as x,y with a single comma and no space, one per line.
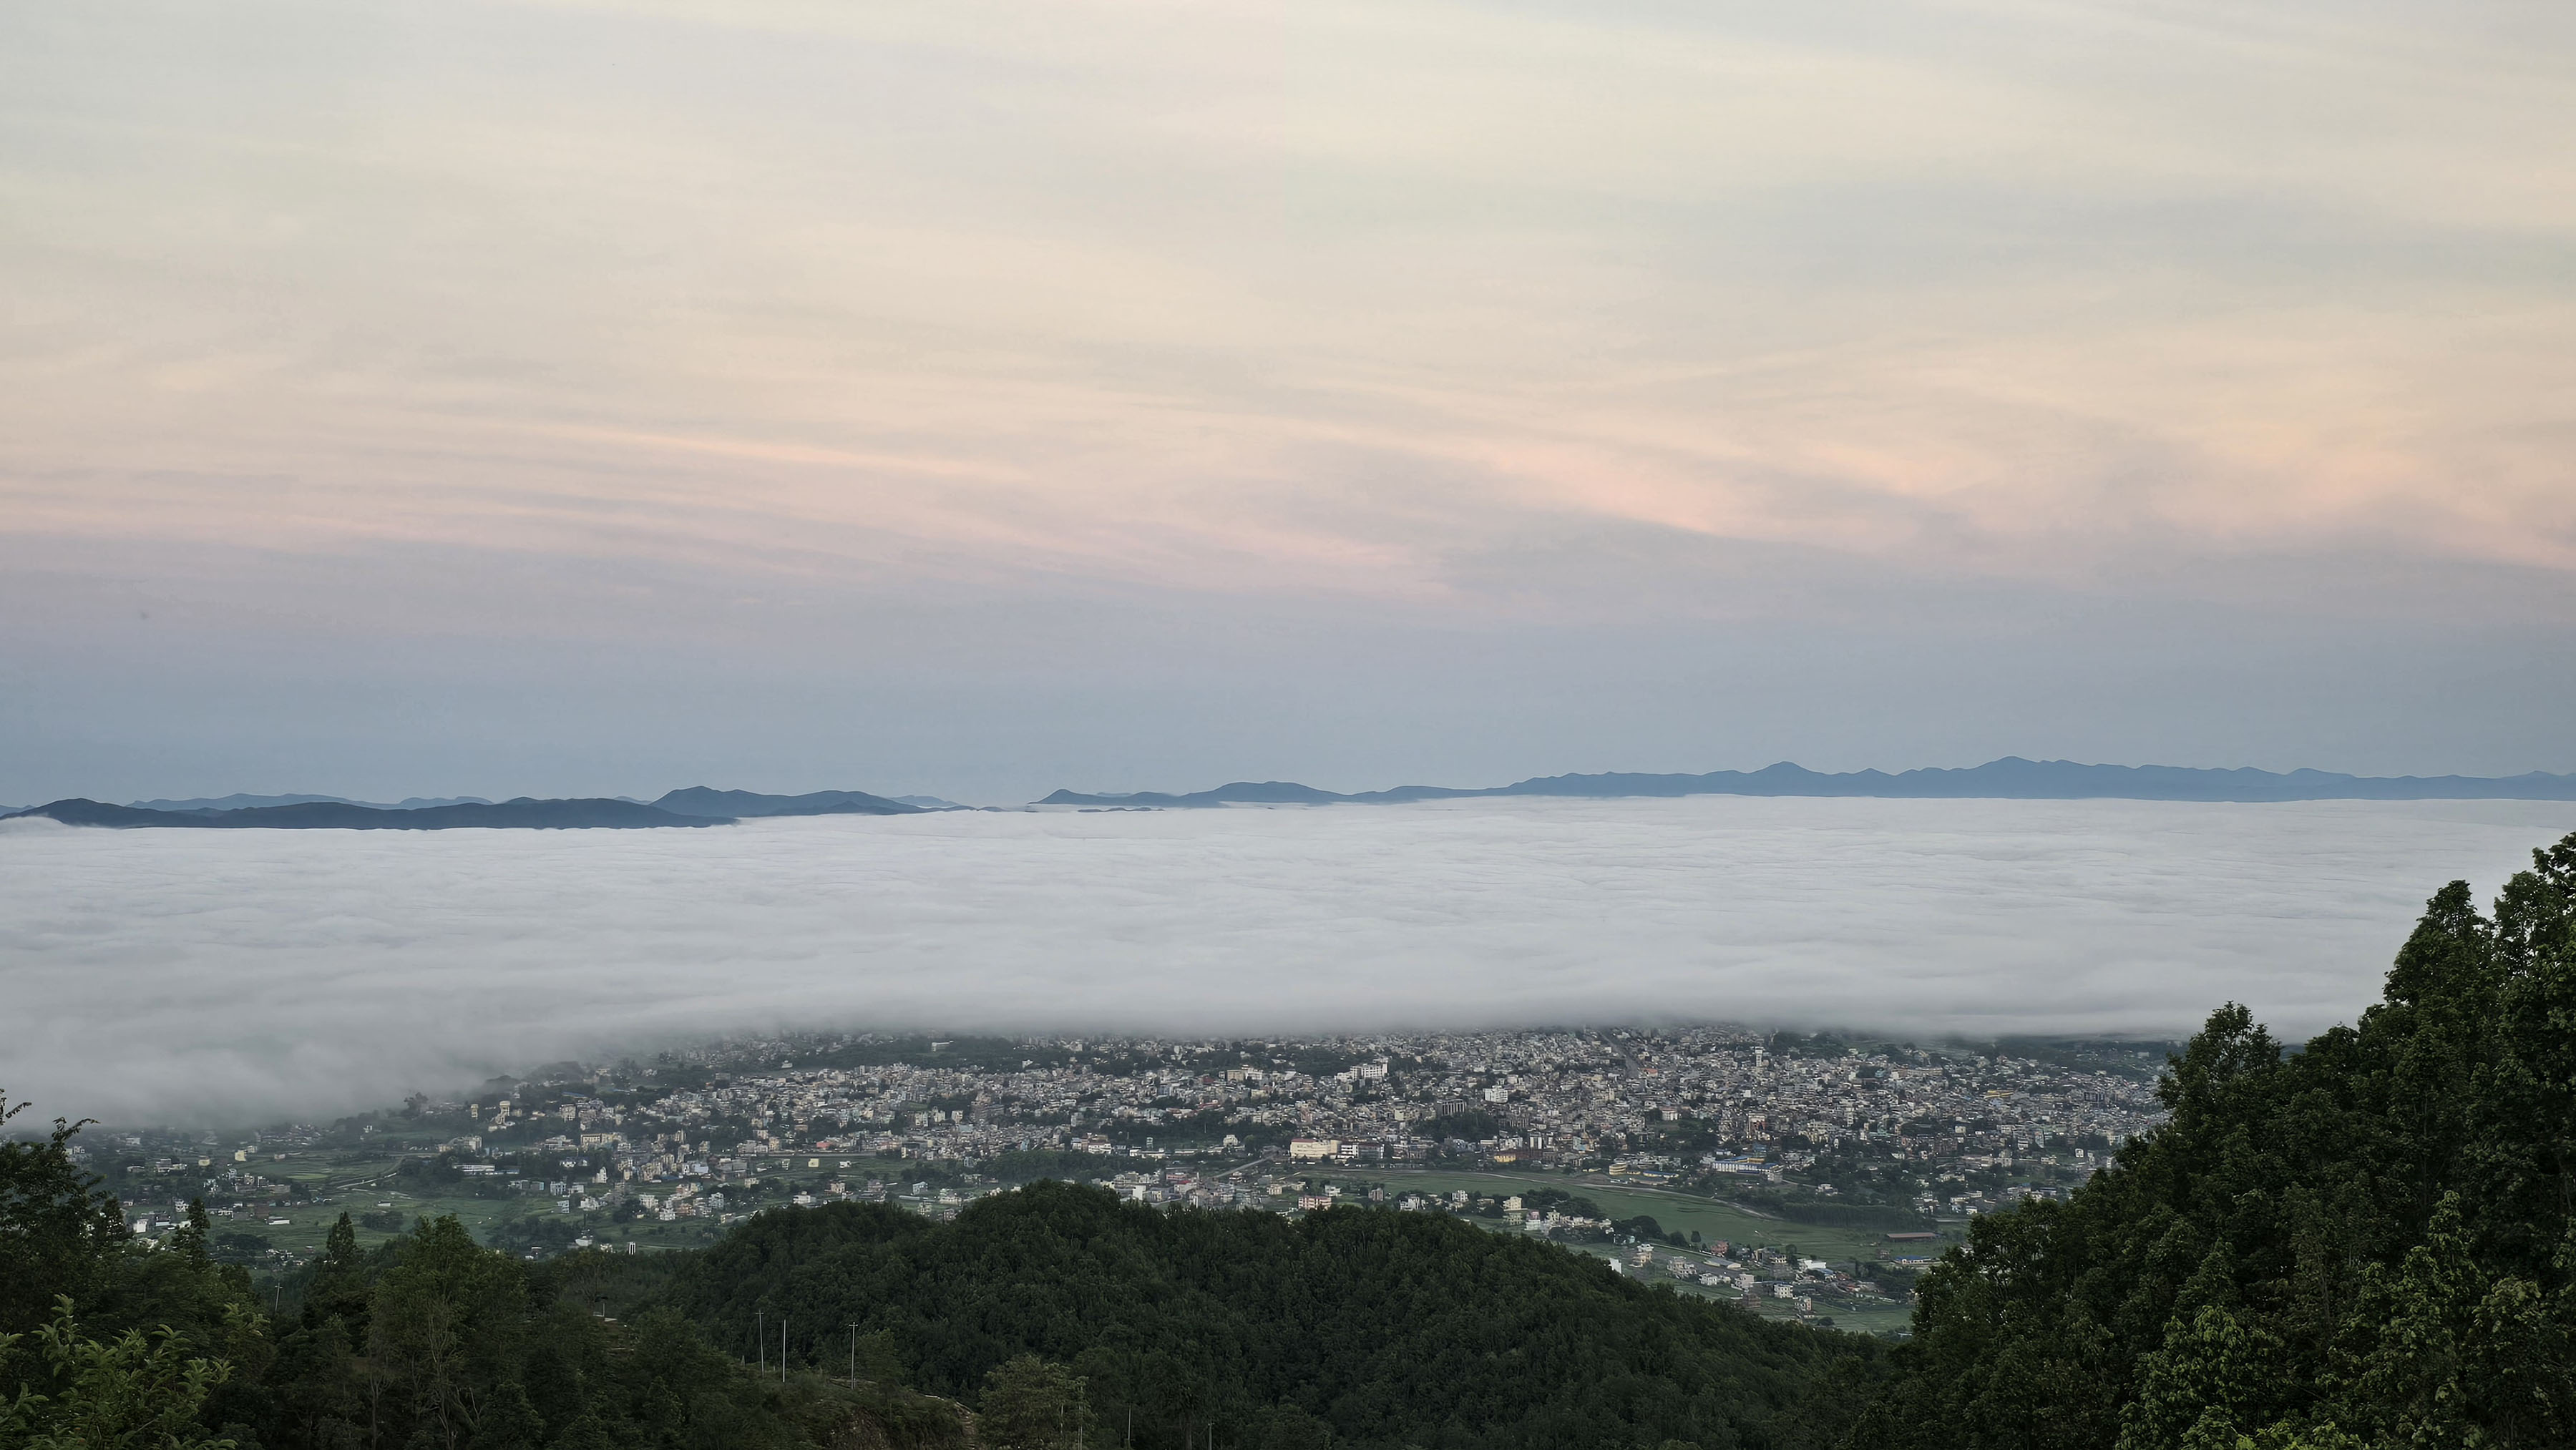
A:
182,976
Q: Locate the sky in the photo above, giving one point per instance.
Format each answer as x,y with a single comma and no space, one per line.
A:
225,977
597,398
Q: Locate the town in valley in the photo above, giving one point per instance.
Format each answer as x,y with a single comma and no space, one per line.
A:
1812,1176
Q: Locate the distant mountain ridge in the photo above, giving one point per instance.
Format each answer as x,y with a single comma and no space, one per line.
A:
239,802
699,800
524,813
2011,778
695,805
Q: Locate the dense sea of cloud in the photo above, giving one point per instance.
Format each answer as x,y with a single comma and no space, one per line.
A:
171,975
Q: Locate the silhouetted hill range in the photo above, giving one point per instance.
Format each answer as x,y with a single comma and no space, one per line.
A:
244,802
342,816
2011,778
699,800
692,806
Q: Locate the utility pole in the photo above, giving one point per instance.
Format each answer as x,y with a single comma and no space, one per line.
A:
782,1349
854,1354
760,1332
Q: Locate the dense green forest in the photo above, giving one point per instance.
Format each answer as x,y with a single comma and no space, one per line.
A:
433,1340
1061,1310
1390,1328
2367,1241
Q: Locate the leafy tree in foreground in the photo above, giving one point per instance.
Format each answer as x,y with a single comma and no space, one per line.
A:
2369,1242
431,1342
56,1228
1030,1404
134,1390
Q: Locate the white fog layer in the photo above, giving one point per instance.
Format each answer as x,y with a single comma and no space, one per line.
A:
182,976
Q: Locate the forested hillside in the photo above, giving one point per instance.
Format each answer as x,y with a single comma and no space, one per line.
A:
1057,1310
433,1341
1389,1328
2366,1242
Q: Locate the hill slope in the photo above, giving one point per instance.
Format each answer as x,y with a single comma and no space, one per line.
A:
1354,1327
2369,1242
1392,1328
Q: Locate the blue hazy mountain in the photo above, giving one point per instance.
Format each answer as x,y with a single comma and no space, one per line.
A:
699,800
248,802
2011,778
1242,792
239,802
692,806
345,816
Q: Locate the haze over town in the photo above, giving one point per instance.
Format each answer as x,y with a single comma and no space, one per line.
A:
171,974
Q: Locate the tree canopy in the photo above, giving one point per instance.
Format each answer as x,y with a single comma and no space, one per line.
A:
2368,1241
1384,1327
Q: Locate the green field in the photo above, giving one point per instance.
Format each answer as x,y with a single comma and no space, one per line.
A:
363,1186
1677,1213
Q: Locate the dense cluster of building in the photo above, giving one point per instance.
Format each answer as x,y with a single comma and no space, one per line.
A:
1705,1104
696,1140
1708,1104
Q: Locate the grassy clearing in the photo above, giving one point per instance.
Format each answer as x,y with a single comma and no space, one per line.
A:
1677,1212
